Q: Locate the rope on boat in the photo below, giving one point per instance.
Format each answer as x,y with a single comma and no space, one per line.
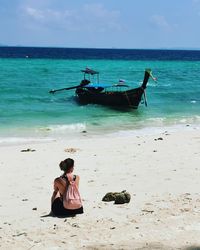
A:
128,99
145,98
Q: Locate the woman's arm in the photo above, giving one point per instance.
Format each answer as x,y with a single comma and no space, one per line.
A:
77,180
55,192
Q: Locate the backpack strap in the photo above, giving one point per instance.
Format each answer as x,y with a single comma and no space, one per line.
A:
64,177
71,178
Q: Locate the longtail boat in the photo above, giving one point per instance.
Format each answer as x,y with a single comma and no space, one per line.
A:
117,95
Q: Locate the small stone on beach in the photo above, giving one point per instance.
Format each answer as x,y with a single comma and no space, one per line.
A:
147,211
75,225
158,139
28,150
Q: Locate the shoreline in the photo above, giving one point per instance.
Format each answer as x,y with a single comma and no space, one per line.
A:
49,136
97,127
159,170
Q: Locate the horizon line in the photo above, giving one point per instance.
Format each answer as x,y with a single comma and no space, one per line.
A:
114,48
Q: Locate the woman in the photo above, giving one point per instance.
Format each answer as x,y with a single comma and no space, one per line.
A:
60,186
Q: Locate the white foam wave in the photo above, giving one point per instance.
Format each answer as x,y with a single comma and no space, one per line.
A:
41,134
156,119
173,121
77,127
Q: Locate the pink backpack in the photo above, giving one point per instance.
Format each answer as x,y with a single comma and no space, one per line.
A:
72,198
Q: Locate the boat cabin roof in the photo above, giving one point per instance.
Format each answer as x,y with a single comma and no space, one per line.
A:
92,72
89,71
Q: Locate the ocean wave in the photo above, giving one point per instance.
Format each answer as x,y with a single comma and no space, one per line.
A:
193,101
76,127
192,119
37,134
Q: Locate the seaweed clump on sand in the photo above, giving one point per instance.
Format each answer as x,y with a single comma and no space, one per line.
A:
117,197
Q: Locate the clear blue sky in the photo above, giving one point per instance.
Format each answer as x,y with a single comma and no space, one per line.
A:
101,23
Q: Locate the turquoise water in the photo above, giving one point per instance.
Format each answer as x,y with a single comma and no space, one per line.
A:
28,110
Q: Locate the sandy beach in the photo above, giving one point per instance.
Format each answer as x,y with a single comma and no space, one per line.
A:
160,170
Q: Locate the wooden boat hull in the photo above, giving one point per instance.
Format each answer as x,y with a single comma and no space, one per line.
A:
130,98
117,95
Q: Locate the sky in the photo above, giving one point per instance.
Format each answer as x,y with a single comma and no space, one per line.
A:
144,24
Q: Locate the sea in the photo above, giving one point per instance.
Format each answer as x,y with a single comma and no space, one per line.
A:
28,112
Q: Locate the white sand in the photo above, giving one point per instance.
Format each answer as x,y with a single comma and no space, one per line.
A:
162,176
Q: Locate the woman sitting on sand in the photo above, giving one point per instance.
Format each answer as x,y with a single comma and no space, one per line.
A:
61,186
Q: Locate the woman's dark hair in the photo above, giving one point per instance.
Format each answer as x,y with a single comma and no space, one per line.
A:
66,164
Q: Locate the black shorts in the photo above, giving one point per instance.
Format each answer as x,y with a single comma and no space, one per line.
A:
58,209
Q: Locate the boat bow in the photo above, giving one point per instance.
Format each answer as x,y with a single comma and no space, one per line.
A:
147,74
